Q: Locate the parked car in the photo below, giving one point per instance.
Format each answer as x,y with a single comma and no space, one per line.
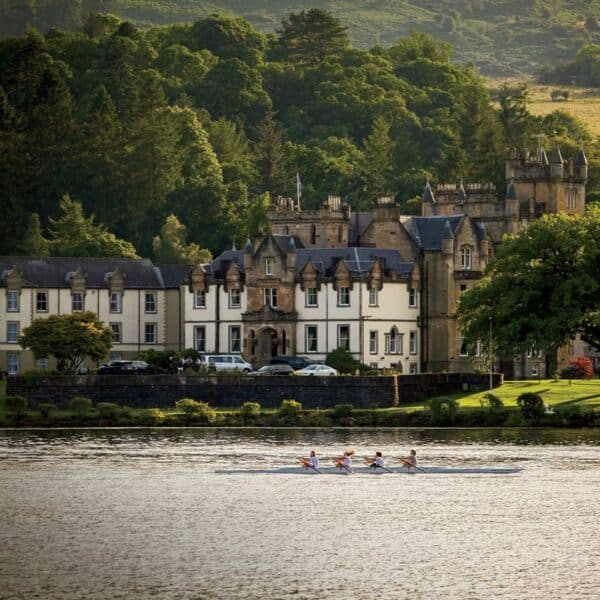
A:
227,362
123,367
321,370
275,370
296,362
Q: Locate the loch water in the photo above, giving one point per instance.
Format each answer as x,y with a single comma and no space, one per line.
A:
149,513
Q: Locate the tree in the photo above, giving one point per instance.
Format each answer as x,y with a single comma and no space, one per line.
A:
542,288
170,245
70,339
310,36
72,234
377,163
271,157
34,243
513,115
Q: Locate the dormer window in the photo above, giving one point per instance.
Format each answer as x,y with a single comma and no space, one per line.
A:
269,266
234,298
41,304
344,296
466,258
199,299
12,301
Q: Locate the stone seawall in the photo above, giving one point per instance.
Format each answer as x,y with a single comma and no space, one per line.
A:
162,391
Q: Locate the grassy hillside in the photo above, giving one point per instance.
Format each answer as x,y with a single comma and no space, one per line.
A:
500,37
585,105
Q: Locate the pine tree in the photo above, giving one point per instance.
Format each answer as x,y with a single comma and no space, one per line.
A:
170,245
271,157
376,168
34,243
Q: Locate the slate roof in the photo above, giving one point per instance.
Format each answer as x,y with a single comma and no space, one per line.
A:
53,272
356,260
218,267
429,232
174,275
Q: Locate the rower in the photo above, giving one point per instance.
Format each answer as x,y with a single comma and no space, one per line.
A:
345,461
410,460
376,461
310,462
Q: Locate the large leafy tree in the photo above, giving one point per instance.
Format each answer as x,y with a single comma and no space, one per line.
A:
542,288
312,35
70,339
170,245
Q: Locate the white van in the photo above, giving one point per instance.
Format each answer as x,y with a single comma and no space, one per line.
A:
227,362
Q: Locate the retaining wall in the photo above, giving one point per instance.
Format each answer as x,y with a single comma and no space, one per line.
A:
161,391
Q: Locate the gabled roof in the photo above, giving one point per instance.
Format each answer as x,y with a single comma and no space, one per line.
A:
581,159
218,267
53,272
428,232
359,222
428,193
358,261
556,157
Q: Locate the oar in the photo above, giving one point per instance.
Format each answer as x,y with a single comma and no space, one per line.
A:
341,466
409,465
378,466
301,461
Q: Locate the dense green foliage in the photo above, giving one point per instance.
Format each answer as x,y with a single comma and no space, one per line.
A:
584,70
172,137
541,290
499,36
70,339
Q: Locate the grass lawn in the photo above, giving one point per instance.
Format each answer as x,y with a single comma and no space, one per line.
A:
555,393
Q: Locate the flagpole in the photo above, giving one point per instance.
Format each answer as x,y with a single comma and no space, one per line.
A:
298,190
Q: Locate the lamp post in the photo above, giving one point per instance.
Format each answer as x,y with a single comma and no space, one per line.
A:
491,359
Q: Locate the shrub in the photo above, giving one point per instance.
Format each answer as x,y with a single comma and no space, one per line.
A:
443,410
249,411
108,410
580,368
80,405
492,402
290,411
531,405
342,411
34,377
47,410
193,410
16,405
342,361
149,416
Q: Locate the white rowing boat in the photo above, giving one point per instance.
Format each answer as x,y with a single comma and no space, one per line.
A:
378,471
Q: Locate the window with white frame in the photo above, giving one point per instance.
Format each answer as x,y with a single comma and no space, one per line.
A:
12,331
343,340
269,266
41,302
76,301
200,338
412,297
199,299
150,333
311,338
393,341
463,349
41,363
343,296
12,301
466,257
533,353
234,298
13,363
116,302
413,368
412,342
235,338
150,302
271,297
373,342
311,297
116,329
373,296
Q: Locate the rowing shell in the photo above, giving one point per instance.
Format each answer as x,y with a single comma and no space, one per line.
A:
371,471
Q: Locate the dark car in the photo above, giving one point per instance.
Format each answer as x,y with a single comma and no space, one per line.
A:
275,370
296,362
124,367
